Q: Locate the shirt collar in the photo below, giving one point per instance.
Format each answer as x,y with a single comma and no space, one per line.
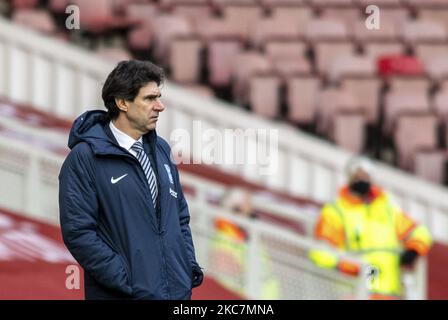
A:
123,139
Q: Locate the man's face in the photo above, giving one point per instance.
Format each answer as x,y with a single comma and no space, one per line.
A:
144,111
360,175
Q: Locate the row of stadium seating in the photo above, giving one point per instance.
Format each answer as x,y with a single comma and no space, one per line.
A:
312,63
23,265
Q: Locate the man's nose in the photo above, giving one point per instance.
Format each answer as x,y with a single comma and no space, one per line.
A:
160,106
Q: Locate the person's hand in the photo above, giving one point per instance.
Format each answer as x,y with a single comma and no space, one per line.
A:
198,276
408,258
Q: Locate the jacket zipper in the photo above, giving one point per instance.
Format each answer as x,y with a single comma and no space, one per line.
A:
158,227
158,224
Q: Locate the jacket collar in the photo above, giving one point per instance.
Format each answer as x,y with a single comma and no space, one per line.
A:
114,148
374,193
93,128
122,138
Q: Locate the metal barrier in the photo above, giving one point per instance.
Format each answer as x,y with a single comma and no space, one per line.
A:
272,264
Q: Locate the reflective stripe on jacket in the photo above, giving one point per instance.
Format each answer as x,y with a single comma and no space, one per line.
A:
377,231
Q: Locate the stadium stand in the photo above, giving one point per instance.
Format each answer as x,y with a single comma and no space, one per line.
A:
298,216
228,42
364,91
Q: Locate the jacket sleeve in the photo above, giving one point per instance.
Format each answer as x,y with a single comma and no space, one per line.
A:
78,208
413,236
330,228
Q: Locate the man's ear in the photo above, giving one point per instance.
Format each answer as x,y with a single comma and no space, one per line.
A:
122,104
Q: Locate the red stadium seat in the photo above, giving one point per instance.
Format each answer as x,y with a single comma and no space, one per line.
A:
379,49
264,95
273,4
39,20
348,131
58,6
418,31
245,65
274,28
397,14
440,104
430,51
437,68
344,14
350,64
141,37
331,102
278,49
413,133
23,4
142,12
242,17
409,84
400,103
166,28
203,91
114,54
298,14
210,29
98,16
430,165
435,13
427,3
193,12
288,57
326,29
386,33
288,67
301,99
170,3
221,56
327,52
327,3
222,3
367,91
380,3
400,65
185,49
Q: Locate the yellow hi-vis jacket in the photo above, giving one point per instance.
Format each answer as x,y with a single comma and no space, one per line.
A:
228,260
377,231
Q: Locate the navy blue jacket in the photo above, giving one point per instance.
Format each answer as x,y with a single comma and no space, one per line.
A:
128,249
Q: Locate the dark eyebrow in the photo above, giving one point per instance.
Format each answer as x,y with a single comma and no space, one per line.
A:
152,96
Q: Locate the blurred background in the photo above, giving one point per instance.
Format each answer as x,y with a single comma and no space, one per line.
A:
310,70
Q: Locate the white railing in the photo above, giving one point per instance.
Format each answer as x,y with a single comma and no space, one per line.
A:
48,74
29,178
273,255
65,80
